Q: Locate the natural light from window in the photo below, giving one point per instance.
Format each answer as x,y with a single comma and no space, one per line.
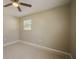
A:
27,24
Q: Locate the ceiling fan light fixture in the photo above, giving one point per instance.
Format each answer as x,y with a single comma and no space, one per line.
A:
15,4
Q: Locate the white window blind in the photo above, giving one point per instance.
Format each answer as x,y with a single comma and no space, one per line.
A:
27,24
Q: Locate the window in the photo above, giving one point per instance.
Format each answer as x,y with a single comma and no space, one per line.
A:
27,24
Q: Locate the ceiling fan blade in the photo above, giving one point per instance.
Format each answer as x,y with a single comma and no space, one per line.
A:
8,5
25,4
15,0
19,9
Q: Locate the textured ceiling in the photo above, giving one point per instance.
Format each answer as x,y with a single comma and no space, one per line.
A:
37,6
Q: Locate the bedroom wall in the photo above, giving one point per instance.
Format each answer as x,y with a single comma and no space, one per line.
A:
49,28
73,29
10,29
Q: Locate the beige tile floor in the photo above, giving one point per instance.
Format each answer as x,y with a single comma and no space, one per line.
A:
22,51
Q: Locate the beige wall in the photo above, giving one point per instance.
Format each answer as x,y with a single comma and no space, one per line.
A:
10,28
73,29
49,28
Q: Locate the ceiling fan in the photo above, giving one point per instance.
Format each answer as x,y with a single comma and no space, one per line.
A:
17,4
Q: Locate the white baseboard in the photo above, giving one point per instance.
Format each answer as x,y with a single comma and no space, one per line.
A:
10,43
55,51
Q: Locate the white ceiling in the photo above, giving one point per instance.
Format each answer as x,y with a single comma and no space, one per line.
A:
37,5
